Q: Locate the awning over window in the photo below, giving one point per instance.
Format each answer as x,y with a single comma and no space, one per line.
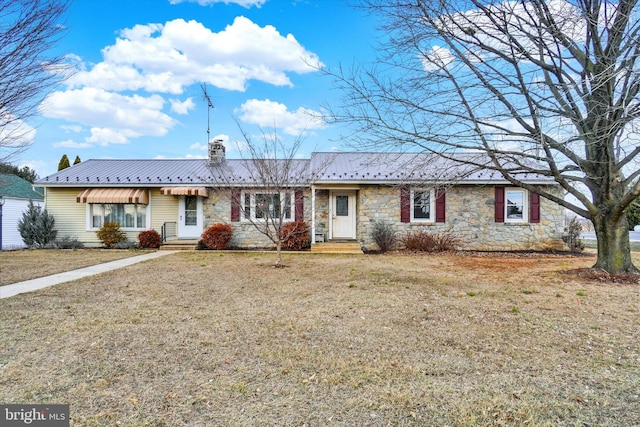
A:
114,195
185,191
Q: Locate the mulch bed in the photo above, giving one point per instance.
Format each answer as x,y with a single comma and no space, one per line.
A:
601,276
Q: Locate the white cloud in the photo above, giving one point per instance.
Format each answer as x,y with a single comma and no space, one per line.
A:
165,58
437,58
182,107
15,133
113,118
71,128
198,146
243,3
270,114
69,143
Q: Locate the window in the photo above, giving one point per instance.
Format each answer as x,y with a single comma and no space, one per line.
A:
422,205
264,206
190,210
515,205
126,215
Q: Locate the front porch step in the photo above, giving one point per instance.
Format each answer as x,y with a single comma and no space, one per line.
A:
179,245
337,247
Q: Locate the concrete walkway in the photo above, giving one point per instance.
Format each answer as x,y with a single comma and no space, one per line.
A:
7,291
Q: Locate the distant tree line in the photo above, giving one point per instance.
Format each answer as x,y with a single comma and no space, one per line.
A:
24,172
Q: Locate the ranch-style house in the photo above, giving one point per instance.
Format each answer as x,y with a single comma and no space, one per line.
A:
339,194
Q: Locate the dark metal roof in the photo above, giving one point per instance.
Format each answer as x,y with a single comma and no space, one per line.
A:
326,168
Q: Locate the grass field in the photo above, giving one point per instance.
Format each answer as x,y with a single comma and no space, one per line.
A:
16,266
224,339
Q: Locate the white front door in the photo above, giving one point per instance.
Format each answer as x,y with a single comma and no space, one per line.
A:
190,217
343,214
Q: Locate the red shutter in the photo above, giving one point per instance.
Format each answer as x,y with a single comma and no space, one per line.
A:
235,205
440,205
405,204
299,197
499,207
534,207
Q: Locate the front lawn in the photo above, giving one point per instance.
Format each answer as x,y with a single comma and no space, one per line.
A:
223,339
27,264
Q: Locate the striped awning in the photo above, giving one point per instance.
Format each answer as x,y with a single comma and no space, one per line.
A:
113,195
185,191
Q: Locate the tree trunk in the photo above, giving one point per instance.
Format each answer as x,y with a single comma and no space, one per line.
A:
278,263
614,249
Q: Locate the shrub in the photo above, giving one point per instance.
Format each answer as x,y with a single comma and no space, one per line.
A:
110,234
67,243
384,234
37,227
571,236
423,241
217,236
149,239
295,236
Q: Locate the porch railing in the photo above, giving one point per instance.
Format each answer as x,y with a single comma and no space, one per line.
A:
169,230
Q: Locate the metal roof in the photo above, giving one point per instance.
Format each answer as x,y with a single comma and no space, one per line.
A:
398,168
325,168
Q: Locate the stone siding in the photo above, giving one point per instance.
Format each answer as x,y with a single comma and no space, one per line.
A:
469,214
217,208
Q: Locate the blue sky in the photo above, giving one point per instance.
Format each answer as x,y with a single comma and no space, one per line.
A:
141,63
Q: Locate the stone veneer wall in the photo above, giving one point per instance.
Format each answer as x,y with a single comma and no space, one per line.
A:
469,214
217,208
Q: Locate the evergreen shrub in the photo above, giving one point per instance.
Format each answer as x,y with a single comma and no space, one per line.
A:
37,226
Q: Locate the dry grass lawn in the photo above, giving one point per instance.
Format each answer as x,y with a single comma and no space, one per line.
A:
16,266
224,339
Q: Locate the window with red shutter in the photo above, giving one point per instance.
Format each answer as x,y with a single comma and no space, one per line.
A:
499,206
235,205
405,205
299,196
534,208
440,206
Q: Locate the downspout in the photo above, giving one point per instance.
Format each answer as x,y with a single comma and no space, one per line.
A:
313,214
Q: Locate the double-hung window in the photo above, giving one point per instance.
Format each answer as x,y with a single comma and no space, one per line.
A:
423,205
264,206
126,215
515,205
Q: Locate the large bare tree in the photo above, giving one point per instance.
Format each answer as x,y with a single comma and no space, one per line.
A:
549,87
29,67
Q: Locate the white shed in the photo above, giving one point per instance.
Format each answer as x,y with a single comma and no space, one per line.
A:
15,194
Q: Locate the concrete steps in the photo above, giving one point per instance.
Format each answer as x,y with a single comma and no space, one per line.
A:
179,245
337,247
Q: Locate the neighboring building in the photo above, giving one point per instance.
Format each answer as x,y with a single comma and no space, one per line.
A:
16,194
340,195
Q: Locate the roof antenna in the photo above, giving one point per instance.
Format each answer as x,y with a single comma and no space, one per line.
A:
203,86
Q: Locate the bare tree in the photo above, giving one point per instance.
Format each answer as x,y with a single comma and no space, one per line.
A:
28,66
267,185
545,87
